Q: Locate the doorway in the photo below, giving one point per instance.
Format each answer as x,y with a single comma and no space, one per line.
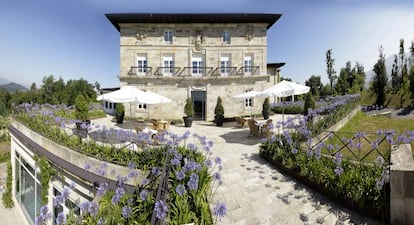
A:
199,102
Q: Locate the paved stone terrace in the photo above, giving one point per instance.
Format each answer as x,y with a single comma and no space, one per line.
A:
255,193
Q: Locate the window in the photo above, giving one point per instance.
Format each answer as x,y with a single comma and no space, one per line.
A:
142,107
168,65
168,37
248,102
226,37
225,65
197,66
248,64
142,65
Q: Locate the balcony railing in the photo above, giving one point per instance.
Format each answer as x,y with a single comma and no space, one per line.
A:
248,70
140,71
225,71
167,71
194,71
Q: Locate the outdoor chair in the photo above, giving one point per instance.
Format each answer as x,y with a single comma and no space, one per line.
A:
240,122
267,129
254,129
137,129
158,126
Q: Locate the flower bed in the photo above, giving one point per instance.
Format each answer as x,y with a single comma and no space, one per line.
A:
183,162
363,187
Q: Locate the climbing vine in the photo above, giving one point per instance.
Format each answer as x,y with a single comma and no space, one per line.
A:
46,173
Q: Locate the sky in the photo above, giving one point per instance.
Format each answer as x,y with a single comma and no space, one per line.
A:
73,39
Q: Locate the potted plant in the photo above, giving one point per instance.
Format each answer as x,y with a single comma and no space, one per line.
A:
119,112
219,112
266,109
189,112
81,113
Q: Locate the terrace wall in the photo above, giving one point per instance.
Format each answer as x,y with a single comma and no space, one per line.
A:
73,159
401,185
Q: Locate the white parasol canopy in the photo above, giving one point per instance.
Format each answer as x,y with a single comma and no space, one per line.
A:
249,94
133,94
130,94
285,89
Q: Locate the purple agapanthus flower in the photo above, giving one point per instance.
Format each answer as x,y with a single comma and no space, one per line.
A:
126,211
180,189
220,210
192,184
180,175
143,195
338,171
161,209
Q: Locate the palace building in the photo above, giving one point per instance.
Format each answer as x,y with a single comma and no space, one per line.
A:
202,56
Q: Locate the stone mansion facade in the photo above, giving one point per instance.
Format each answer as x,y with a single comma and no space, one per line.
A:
202,56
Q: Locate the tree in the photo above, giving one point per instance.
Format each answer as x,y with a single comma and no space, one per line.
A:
329,68
380,78
403,65
395,79
315,84
309,103
411,73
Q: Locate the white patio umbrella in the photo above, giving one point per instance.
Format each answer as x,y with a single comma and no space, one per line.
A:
129,94
249,94
284,89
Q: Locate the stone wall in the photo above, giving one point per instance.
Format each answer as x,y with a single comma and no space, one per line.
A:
402,185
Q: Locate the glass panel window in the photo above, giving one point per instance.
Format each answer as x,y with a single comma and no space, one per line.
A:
197,66
248,65
141,65
142,106
168,65
226,37
168,37
225,65
248,102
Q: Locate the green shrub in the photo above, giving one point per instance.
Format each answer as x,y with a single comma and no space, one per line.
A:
81,108
219,109
119,108
188,108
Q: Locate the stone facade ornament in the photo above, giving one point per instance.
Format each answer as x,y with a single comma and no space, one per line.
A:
249,34
199,40
140,36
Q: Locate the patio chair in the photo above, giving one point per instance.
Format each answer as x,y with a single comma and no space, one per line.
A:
158,126
137,129
267,129
240,122
254,129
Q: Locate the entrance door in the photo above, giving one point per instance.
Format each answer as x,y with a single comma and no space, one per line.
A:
199,102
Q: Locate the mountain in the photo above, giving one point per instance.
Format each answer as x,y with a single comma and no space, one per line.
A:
3,81
13,87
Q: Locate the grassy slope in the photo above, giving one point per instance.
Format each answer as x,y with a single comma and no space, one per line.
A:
393,99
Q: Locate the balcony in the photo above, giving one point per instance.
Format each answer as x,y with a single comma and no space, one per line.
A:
194,71
140,71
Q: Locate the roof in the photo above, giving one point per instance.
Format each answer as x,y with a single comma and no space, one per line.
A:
276,65
117,18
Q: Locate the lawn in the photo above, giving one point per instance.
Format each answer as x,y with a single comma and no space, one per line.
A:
370,126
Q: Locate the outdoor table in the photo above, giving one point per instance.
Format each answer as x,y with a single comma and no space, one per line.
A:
149,131
260,124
